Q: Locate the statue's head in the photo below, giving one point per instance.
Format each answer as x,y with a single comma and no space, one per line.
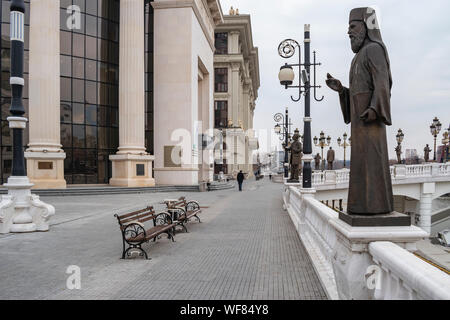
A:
295,137
363,24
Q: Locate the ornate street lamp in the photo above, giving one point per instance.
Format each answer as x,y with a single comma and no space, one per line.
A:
320,142
25,212
344,144
400,135
284,134
286,50
435,128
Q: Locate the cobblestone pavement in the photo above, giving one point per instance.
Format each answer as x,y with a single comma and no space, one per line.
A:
246,248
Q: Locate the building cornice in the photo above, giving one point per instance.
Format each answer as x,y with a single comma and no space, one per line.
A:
211,8
242,24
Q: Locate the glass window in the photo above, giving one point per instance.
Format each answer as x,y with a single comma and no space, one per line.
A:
66,113
91,137
78,45
79,137
78,68
221,43
66,66
78,90
220,114
103,138
91,25
78,113
66,135
103,116
91,70
91,48
91,114
65,39
91,92
66,89
91,7
221,79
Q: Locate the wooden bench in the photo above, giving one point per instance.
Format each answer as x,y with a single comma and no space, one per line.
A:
185,210
135,233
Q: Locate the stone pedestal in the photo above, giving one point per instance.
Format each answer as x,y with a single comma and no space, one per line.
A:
379,220
46,169
20,211
351,259
130,170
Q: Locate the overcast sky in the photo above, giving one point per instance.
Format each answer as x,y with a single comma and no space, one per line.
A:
416,34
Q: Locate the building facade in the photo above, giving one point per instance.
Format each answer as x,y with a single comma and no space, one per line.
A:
108,86
236,84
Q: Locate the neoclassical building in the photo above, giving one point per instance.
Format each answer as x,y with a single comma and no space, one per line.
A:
236,67
117,92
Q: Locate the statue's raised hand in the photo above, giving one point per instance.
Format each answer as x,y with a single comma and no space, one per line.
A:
334,84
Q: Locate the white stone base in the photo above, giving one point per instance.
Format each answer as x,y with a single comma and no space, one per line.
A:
20,211
124,170
351,257
46,169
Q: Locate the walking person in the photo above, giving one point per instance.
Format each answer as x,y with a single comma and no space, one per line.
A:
240,179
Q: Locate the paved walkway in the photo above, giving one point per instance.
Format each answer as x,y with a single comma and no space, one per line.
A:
246,248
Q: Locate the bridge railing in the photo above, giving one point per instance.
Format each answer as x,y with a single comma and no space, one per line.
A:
402,275
398,172
363,262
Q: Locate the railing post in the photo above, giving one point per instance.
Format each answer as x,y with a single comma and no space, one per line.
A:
399,171
425,206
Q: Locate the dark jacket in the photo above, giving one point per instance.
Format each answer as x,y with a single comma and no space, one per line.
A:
240,177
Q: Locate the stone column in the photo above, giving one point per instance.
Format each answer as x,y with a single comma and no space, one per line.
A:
45,158
425,206
131,166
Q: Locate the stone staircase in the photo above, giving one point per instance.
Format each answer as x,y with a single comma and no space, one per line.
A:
97,190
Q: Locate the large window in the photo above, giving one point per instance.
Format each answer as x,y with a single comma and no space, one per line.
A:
221,79
220,114
149,78
221,43
89,89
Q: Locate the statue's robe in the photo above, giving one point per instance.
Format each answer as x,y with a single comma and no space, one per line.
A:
370,188
296,159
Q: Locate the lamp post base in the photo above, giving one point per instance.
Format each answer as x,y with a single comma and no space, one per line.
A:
21,211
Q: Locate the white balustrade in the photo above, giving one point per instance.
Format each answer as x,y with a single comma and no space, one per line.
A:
402,275
363,262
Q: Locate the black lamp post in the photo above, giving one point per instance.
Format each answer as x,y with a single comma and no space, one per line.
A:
16,122
435,128
399,137
321,143
284,134
286,49
344,144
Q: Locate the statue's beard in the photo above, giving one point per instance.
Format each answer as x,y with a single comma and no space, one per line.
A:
357,41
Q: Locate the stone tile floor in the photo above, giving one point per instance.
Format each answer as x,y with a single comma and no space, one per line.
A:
246,248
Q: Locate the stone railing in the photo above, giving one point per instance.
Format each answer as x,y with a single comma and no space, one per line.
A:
362,262
398,172
406,276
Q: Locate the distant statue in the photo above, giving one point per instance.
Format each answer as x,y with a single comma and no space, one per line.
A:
232,12
237,11
398,151
366,105
317,159
330,158
296,149
426,153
